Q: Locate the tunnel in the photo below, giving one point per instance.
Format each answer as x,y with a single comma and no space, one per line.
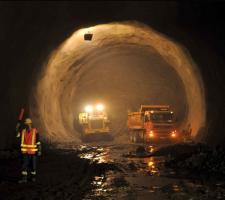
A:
58,57
140,53
125,65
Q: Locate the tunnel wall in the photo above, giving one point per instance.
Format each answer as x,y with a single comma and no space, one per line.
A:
58,74
31,31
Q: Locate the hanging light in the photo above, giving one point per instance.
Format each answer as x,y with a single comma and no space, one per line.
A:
88,36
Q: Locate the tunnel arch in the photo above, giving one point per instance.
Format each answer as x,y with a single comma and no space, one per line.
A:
53,92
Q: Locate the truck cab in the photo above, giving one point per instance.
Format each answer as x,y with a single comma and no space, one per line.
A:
160,124
152,124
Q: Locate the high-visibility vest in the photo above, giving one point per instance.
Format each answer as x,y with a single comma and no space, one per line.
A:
28,141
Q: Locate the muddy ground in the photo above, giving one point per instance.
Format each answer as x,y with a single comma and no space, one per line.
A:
107,171
61,175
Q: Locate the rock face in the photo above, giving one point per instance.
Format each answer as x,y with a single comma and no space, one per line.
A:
31,32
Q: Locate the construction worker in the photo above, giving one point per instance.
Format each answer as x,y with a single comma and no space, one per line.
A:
30,148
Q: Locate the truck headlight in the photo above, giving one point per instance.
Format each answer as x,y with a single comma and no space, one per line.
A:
89,108
100,107
151,134
173,134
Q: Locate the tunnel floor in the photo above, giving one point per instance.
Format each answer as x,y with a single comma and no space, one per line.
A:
144,178
103,170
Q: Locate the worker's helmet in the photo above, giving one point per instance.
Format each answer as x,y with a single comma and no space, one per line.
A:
28,121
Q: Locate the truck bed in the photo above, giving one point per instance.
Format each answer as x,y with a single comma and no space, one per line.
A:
135,120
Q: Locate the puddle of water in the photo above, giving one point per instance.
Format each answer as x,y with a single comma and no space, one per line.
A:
108,186
95,154
159,183
176,188
99,185
153,188
150,149
152,168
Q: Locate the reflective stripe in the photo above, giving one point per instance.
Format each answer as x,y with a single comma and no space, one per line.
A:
33,136
24,173
28,145
22,139
23,149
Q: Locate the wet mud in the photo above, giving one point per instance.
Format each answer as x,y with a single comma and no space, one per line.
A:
147,177
105,171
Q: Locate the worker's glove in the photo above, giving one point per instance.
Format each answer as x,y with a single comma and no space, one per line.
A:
18,125
18,134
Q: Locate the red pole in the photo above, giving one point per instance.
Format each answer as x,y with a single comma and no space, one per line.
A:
21,114
20,119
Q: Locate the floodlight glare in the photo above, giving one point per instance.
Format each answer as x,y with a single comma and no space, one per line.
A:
89,108
100,107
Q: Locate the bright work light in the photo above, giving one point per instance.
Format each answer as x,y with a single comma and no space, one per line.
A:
89,108
100,107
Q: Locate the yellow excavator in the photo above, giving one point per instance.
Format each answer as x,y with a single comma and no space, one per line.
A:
94,120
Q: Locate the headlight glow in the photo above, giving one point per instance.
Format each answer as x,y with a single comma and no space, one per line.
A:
151,134
173,134
89,108
100,107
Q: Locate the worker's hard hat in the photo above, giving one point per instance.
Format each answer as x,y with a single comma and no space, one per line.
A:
28,121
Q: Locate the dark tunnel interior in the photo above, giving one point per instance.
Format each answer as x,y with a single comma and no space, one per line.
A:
163,54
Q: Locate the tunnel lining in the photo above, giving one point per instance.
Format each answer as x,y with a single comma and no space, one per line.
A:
67,55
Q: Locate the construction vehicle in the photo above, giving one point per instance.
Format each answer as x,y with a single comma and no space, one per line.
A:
152,124
94,121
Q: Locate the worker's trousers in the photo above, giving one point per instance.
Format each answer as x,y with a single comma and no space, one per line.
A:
29,164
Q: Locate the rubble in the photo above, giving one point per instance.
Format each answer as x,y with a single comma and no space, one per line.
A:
140,152
197,160
120,182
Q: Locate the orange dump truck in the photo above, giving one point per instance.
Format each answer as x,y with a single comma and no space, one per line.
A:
152,123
